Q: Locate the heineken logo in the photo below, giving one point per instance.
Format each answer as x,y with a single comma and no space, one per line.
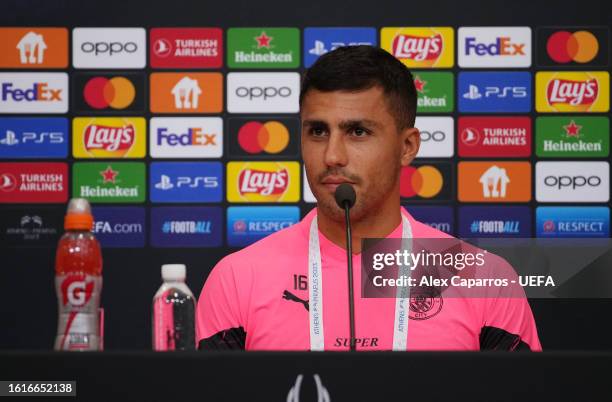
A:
572,130
121,182
263,47
263,40
435,92
572,136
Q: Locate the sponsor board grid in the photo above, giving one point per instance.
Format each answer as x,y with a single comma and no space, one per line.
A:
454,114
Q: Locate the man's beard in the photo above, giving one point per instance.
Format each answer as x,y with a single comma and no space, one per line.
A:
366,203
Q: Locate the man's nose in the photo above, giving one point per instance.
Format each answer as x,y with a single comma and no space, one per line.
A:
335,152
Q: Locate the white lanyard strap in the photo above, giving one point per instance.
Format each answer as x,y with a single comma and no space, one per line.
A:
315,291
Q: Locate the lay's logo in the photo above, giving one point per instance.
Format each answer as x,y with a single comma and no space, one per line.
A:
417,48
108,137
572,92
263,182
252,181
420,47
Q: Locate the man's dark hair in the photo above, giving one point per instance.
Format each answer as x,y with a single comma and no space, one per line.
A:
357,68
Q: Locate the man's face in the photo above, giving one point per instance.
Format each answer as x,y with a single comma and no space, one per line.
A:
352,137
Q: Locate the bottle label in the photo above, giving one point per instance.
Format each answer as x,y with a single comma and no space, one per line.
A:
79,299
163,323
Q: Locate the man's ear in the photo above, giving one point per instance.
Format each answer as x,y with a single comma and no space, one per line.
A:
410,144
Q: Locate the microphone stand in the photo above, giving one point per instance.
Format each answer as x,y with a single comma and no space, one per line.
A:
349,257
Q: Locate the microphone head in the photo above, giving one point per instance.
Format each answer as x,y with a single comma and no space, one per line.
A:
345,194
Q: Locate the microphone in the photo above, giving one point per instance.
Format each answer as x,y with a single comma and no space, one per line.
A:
345,198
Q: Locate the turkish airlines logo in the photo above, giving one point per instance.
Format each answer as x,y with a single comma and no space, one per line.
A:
118,140
33,182
8,182
252,181
572,92
418,48
494,136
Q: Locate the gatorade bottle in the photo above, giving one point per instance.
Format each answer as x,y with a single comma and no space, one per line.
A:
78,281
174,311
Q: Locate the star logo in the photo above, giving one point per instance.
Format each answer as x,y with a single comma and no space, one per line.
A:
263,40
572,129
109,175
419,84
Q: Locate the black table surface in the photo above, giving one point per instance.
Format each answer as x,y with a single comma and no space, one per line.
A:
272,376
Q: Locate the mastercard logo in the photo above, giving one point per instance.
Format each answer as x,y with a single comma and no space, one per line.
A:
579,47
103,93
270,137
424,181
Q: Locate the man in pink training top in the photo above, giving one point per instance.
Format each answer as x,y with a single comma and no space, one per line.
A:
289,291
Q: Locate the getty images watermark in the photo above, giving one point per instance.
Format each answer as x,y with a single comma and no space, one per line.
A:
454,268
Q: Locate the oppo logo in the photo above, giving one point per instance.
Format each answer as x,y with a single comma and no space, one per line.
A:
111,48
435,136
262,92
572,181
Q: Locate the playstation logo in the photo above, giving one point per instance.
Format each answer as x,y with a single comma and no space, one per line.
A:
10,139
318,49
165,183
472,93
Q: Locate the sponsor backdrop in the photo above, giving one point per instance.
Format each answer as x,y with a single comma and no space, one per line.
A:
181,126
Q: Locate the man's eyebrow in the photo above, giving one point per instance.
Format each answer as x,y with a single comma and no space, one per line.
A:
310,123
346,124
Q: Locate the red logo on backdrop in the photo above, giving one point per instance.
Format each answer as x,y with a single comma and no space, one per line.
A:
186,47
572,93
109,138
417,48
494,136
76,290
251,181
33,182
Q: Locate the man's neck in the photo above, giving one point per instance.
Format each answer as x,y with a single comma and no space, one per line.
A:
374,225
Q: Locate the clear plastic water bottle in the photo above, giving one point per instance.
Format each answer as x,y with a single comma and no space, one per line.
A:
174,311
78,281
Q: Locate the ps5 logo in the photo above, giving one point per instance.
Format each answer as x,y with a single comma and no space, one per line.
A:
319,46
474,93
32,137
166,183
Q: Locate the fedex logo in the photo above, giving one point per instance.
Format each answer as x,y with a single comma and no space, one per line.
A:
39,91
193,136
502,46
494,47
178,137
33,92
